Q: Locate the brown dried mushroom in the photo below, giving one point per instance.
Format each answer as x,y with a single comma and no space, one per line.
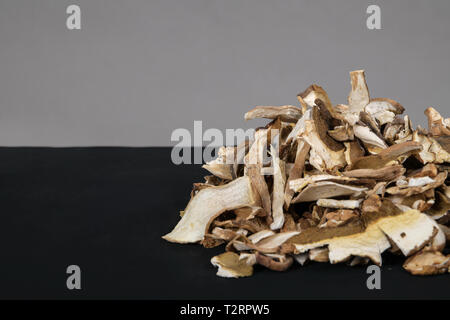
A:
345,183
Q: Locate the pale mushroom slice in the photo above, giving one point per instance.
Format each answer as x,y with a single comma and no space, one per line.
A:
206,205
286,113
279,180
230,266
410,231
339,204
327,189
427,263
436,124
256,237
249,258
222,166
367,136
298,184
319,254
384,110
359,94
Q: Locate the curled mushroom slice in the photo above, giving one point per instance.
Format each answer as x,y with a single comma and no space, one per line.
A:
272,264
359,95
208,204
230,266
427,263
325,190
286,113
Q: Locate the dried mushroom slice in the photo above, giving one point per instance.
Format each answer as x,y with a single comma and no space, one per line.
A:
436,124
389,173
208,204
359,95
222,166
384,110
286,113
275,264
231,266
427,263
279,180
297,170
326,189
308,98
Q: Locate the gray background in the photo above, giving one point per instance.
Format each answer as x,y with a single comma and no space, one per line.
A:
139,69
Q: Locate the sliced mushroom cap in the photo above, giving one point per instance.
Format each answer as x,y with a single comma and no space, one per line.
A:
427,263
326,189
286,113
208,204
230,266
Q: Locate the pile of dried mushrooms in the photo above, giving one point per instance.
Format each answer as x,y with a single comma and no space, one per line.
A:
344,183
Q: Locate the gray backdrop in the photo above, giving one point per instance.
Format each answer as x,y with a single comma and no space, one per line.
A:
139,69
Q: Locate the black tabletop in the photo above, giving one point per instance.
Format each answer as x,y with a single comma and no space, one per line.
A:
105,210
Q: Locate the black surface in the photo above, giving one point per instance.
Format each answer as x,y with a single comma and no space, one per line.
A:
105,210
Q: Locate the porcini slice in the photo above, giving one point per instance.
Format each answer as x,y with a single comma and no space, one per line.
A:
208,204
339,204
384,110
326,189
359,94
427,263
231,266
286,113
279,180
383,174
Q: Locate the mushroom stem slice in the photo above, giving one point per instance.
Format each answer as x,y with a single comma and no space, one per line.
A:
359,94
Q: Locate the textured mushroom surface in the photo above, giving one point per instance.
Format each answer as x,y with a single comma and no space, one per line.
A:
325,183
